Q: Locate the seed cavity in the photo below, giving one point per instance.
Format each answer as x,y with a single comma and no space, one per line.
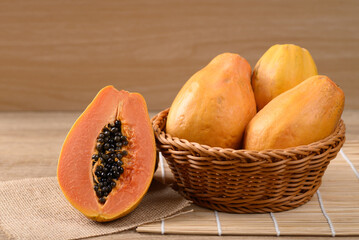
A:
107,161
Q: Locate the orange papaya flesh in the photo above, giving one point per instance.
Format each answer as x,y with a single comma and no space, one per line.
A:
108,158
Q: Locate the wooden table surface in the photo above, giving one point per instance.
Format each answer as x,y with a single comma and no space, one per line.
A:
30,143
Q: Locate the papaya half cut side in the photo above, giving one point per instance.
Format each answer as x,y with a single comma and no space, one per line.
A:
108,158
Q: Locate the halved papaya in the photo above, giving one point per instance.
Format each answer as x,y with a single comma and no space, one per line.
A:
108,158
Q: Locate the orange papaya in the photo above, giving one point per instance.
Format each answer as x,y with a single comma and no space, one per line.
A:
302,115
215,104
281,68
108,158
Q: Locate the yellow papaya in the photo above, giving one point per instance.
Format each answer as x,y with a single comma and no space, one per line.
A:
302,115
215,104
280,68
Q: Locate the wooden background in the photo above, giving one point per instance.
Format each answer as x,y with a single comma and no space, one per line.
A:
56,55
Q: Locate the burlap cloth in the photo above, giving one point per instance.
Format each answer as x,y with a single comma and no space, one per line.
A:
36,209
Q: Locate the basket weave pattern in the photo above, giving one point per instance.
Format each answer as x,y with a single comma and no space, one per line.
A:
244,181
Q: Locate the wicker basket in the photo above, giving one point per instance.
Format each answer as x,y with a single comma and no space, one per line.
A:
242,181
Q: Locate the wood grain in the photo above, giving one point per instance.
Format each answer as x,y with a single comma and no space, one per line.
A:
56,55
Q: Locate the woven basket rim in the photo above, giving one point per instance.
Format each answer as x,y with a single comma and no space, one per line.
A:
303,149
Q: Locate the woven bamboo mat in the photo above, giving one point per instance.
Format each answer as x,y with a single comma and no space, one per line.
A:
333,210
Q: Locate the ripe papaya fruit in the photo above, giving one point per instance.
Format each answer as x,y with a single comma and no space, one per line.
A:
215,104
280,68
302,115
108,158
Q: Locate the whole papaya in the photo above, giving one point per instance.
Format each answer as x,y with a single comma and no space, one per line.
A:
279,69
215,104
302,115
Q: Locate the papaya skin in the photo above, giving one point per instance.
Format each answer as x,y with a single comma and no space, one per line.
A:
302,115
215,104
281,68
75,163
